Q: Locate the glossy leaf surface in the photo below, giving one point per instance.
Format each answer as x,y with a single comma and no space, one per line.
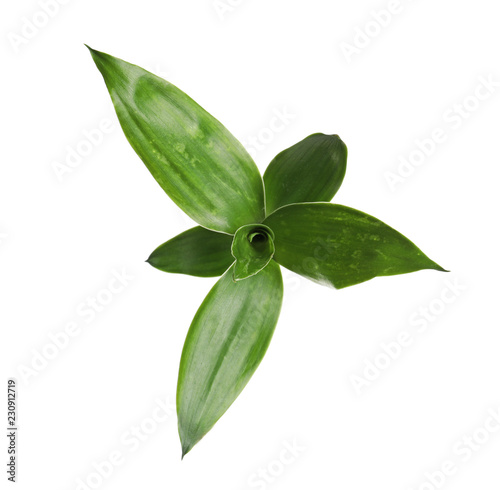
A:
197,252
226,342
310,171
253,248
196,160
340,246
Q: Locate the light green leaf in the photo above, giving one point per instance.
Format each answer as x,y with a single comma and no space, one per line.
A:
340,246
198,252
253,248
196,160
226,342
309,171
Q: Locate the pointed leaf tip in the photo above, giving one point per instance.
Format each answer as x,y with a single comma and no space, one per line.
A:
93,52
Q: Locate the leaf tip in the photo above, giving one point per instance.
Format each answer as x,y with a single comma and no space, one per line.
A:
186,447
103,62
435,266
94,53
439,268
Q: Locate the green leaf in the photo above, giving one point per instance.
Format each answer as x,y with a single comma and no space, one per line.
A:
198,252
309,171
227,340
196,160
253,248
340,246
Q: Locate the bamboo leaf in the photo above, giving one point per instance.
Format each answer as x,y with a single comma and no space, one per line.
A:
197,252
340,246
196,160
253,248
309,171
226,342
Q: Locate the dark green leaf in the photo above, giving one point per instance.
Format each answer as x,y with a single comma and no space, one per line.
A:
195,159
309,171
198,252
253,248
227,340
339,246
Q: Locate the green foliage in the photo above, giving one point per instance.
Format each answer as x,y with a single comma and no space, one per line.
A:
243,235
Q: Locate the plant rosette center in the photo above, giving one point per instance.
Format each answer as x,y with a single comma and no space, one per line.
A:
253,249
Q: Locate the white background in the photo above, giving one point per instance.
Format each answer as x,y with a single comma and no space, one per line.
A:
62,238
